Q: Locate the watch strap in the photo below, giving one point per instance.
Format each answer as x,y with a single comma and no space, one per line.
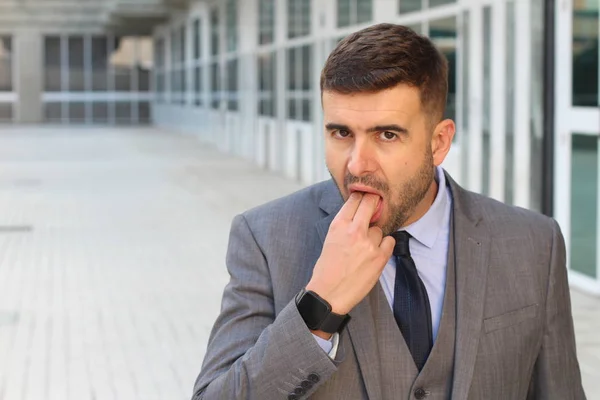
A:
334,323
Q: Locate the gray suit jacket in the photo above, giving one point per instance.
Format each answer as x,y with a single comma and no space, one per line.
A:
514,330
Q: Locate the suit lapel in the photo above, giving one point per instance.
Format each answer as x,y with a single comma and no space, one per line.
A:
472,251
361,326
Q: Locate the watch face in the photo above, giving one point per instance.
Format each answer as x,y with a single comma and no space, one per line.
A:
312,310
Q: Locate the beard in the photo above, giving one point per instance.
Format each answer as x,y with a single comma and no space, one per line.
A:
401,199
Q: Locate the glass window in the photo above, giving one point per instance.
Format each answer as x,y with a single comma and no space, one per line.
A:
292,109
215,85
178,61
100,112
462,130
584,204
266,84
215,38
298,18
443,34
159,69
306,57
510,102
364,11
197,40
6,74
232,25
123,112
144,63
292,66
585,53
266,26
198,86
536,105
76,69
122,61
306,114
487,98
99,64
159,55
407,6
351,12
52,64
435,3
182,45
299,82
76,112
343,13
52,112
6,112
144,112
181,67
232,85
175,77
182,83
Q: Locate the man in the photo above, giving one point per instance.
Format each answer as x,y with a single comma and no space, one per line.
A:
391,281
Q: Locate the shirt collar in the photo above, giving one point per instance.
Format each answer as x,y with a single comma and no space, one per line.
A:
427,228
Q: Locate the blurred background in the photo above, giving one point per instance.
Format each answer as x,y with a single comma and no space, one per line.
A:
132,131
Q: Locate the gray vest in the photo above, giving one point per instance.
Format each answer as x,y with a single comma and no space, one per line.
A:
399,375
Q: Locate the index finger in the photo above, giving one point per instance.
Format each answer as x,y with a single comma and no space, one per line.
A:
366,209
350,206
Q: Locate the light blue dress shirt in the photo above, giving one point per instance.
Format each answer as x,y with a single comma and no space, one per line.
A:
429,249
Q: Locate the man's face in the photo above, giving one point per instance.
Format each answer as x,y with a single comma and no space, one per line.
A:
382,143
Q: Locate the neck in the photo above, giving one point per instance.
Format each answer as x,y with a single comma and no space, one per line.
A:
422,208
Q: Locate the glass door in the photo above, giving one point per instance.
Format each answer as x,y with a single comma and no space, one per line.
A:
577,162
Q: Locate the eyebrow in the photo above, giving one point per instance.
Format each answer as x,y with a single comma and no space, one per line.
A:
379,128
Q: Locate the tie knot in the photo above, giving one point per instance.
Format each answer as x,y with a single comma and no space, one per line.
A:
401,248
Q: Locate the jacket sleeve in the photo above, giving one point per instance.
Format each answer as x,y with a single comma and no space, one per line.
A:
253,354
556,374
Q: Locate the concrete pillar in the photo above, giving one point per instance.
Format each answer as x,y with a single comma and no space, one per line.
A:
29,76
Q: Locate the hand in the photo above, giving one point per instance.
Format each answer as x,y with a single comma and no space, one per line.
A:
353,255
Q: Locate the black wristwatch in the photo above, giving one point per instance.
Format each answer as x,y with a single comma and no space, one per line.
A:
316,313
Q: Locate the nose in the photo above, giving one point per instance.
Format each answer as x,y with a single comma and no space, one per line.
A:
362,160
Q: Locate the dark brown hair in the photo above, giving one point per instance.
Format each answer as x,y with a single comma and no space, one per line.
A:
382,56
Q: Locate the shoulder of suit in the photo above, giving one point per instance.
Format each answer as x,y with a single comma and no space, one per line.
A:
303,202
494,211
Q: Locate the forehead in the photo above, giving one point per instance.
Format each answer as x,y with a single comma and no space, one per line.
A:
401,101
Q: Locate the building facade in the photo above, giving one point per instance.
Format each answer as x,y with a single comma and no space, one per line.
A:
243,75
76,61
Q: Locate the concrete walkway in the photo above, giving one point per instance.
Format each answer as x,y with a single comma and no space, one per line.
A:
112,247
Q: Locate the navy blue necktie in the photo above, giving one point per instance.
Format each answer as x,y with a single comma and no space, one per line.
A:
411,303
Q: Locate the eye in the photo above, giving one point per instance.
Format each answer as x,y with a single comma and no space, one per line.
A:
341,134
388,136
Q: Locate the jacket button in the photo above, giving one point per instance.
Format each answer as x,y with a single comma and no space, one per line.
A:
314,378
306,385
420,394
299,391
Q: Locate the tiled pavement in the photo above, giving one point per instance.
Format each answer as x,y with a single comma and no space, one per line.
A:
111,261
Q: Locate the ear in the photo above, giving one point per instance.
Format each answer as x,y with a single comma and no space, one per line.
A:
441,140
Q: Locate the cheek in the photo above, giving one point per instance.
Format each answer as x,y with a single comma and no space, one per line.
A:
336,162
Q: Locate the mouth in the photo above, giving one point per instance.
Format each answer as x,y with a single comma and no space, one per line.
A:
366,189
